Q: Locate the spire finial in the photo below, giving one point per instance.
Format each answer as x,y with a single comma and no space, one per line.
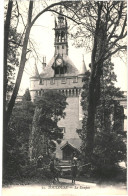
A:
55,21
60,14
44,62
60,9
34,71
83,67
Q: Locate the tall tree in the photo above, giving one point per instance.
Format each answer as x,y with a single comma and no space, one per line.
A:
6,38
105,24
108,126
12,59
45,131
22,64
6,41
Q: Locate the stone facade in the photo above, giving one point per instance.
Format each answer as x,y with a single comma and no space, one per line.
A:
62,75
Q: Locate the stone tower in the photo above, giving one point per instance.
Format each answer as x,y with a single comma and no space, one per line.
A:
62,75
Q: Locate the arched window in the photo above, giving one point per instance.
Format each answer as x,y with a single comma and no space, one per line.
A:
62,36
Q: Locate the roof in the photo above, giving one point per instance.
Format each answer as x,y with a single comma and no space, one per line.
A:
83,67
34,72
71,68
73,142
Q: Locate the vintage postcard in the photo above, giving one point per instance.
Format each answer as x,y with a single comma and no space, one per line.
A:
64,98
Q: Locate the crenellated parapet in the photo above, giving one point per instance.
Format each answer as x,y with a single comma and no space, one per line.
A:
70,92
70,86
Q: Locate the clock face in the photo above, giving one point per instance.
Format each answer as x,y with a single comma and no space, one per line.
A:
58,61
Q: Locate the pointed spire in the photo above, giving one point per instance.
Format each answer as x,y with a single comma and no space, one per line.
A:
60,9
83,67
60,14
44,62
35,72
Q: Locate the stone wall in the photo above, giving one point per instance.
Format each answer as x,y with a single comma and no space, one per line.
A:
71,87
37,87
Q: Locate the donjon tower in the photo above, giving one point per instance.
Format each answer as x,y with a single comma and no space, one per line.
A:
60,74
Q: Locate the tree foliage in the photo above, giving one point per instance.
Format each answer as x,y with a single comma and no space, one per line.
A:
26,96
18,139
104,23
45,131
12,59
109,147
13,42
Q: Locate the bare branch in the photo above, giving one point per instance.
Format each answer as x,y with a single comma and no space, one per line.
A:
75,13
33,48
64,16
18,14
116,50
117,22
45,10
119,37
22,20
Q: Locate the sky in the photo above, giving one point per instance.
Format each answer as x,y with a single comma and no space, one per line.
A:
43,35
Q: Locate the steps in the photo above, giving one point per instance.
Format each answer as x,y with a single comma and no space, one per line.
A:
65,165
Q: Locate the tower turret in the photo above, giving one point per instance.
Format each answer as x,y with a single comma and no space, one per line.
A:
61,42
44,62
35,73
83,67
34,80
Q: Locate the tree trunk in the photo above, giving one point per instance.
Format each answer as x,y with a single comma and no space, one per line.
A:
94,84
91,118
94,96
7,114
21,67
6,37
19,76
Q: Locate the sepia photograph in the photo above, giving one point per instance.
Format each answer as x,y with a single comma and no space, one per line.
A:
64,127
